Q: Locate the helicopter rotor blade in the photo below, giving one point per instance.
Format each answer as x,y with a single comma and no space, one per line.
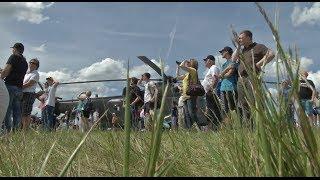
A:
152,65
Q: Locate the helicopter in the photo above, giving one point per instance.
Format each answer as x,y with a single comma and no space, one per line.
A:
114,104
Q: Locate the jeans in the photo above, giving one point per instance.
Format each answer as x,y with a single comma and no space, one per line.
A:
190,112
14,108
48,118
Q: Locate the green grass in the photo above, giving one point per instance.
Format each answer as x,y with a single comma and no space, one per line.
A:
102,154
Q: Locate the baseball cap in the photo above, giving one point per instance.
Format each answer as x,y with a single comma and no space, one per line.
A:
19,47
228,49
49,78
209,57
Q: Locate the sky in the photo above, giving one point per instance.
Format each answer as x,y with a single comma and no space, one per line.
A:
76,41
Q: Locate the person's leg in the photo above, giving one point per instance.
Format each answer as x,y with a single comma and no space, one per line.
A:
187,112
50,117
214,110
147,117
4,100
7,125
16,108
27,103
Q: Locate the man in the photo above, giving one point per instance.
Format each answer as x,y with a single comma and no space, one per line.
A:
150,93
253,57
229,80
29,87
136,101
50,104
209,84
307,95
13,74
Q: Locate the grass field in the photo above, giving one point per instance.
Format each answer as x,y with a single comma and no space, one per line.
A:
102,154
22,154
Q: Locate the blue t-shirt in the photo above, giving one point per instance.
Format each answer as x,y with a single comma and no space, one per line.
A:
229,83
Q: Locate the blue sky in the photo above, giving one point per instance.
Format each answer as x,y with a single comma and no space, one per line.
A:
88,41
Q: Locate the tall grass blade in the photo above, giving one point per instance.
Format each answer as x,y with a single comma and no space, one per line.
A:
127,128
46,160
75,152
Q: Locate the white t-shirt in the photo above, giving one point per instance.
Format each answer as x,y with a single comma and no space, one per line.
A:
33,75
95,116
51,98
207,83
147,93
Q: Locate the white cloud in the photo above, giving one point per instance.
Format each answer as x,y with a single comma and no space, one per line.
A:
105,69
271,68
25,11
41,48
306,15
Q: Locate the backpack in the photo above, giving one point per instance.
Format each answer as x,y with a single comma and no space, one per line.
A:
159,97
88,105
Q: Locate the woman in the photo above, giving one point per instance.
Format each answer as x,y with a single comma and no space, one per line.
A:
29,87
190,102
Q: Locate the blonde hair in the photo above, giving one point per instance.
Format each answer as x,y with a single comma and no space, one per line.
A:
194,63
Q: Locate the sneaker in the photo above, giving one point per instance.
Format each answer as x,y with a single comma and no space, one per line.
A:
142,130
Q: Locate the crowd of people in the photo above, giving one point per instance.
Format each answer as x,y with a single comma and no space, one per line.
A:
224,91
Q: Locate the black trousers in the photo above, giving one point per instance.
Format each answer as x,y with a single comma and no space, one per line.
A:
213,110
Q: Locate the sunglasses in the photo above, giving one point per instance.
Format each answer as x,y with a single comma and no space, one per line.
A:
32,62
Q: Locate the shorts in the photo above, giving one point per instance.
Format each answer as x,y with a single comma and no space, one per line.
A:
85,114
27,103
147,107
307,106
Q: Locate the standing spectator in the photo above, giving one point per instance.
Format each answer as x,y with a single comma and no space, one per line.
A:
307,95
136,101
4,99
253,54
211,79
85,108
13,74
285,90
29,87
42,100
95,116
115,122
150,93
174,116
190,102
50,104
229,82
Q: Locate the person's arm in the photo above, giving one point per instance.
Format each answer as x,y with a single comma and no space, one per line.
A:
6,71
215,75
184,67
266,59
137,99
236,52
227,74
29,84
55,83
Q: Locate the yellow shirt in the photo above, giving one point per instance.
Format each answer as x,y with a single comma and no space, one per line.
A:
185,82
